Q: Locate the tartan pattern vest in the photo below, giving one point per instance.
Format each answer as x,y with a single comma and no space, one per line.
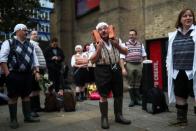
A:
20,58
109,56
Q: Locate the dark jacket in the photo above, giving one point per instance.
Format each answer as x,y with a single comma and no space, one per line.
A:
55,65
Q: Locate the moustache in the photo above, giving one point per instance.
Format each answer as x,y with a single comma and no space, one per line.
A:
103,33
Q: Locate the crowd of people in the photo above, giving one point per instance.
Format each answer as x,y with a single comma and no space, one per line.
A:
108,63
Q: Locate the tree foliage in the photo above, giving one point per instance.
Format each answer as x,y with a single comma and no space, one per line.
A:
16,11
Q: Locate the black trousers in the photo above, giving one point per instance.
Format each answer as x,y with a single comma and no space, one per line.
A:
19,84
54,76
108,80
183,87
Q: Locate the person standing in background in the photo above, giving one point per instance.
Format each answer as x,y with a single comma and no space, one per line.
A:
131,65
90,82
2,76
54,61
34,96
80,71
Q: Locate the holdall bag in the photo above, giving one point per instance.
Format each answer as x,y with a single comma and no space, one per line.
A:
51,103
60,101
69,101
95,95
156,102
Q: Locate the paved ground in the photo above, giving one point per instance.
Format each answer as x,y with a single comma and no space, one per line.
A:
87,118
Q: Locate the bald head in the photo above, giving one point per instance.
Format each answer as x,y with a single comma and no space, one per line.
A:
34,35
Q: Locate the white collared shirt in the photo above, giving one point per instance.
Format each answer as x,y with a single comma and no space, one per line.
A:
5,50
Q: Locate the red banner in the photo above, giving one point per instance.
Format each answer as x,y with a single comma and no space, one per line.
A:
156,57
85,6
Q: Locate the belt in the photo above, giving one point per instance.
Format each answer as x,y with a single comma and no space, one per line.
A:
21,72
134,63
107,64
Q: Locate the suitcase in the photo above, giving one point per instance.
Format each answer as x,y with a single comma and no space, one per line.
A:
69,101
156,102
51,103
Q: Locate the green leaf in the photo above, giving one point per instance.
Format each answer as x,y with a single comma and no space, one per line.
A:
13,12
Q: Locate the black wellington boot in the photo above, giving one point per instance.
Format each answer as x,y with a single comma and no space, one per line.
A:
195,110
138,98
181,116
118,111
104,115
82,96
38,107
33,107
27,113
132,98
78,96
13,116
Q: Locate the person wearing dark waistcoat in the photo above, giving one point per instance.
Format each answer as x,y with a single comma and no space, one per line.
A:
108,77
131,65
54,61
18,61
181,65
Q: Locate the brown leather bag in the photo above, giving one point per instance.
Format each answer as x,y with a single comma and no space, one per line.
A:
51,103
69,101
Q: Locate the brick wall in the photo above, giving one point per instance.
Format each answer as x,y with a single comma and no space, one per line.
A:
152,18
